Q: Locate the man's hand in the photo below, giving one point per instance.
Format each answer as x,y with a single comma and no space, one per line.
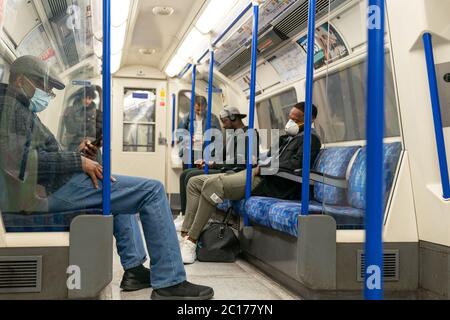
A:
199,163
93,169
88,150
256,171
211,164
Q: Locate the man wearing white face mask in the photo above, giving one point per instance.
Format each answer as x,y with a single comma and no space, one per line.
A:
205,194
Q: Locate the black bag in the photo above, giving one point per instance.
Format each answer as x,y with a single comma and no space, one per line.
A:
218,243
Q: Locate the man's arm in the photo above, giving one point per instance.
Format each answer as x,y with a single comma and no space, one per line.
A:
59,162
292,159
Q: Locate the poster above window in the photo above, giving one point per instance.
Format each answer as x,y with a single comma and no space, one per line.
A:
325,35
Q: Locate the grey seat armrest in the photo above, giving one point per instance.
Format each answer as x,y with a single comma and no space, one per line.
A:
329,180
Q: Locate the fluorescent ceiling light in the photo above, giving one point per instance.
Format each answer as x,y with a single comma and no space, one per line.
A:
193,43
214,13
119,12
119,17
175,66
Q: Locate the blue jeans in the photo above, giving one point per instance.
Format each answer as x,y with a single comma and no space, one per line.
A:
131,195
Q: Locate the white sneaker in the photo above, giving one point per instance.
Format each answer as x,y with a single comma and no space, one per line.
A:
180,238
188,251
179,222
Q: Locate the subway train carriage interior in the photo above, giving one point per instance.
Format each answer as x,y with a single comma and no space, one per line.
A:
227,150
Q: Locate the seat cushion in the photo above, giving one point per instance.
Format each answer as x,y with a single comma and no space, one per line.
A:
346,217
225,205
42,222
283,215
258,209
333,162
357,180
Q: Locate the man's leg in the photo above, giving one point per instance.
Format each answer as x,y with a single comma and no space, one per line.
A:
214,191
128,196
183,189
131,250
185,177
194,189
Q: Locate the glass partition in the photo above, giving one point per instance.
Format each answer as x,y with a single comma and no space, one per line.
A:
50,113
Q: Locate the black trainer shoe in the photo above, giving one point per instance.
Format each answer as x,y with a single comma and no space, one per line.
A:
136,279
183,291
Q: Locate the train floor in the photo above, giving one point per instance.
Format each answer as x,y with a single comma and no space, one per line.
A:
231,281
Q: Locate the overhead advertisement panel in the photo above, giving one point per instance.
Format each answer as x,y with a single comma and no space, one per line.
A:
290,62
326,35
36,43
270,10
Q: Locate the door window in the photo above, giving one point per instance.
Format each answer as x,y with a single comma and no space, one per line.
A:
139,120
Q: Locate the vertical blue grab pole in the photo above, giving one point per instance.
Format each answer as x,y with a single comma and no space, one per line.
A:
107,107
174,110
251,120
373,288
210,103
436,105
308,107
191,116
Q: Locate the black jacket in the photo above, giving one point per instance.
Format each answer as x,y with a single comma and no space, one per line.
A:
290,159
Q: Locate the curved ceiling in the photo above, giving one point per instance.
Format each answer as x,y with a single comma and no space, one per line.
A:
162,33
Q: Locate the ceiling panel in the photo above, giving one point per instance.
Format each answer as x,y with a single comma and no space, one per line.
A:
159,32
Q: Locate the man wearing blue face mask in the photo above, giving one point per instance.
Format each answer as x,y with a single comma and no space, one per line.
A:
70,181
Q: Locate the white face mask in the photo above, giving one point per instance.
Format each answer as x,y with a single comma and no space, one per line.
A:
292,128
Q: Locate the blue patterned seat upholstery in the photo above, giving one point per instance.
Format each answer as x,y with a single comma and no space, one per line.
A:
258,209
225,205
283,216
347,207
357,180
42,222
333,162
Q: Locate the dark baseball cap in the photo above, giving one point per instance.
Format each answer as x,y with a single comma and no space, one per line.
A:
36,68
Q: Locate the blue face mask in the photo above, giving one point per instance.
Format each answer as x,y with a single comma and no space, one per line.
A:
40,101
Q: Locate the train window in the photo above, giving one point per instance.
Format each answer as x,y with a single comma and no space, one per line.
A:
273,113
341,100
4,70
443,76
82,116
139,120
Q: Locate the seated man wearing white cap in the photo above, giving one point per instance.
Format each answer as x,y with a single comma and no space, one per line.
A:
234,156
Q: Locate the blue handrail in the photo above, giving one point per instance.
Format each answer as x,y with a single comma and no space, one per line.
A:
308,107
210,103
373,288
106,107
436,106
251,121
191,116
174,110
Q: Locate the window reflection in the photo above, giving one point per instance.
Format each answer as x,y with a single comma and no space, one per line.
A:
341,100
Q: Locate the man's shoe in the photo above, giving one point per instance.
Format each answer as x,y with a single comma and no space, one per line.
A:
136,279
188,251
183,291
179,222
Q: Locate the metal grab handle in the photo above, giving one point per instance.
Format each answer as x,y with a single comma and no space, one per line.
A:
437,118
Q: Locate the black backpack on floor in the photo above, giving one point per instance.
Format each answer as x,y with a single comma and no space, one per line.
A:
218,243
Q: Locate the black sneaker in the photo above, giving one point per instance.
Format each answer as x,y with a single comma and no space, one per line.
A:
183,291
136,279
